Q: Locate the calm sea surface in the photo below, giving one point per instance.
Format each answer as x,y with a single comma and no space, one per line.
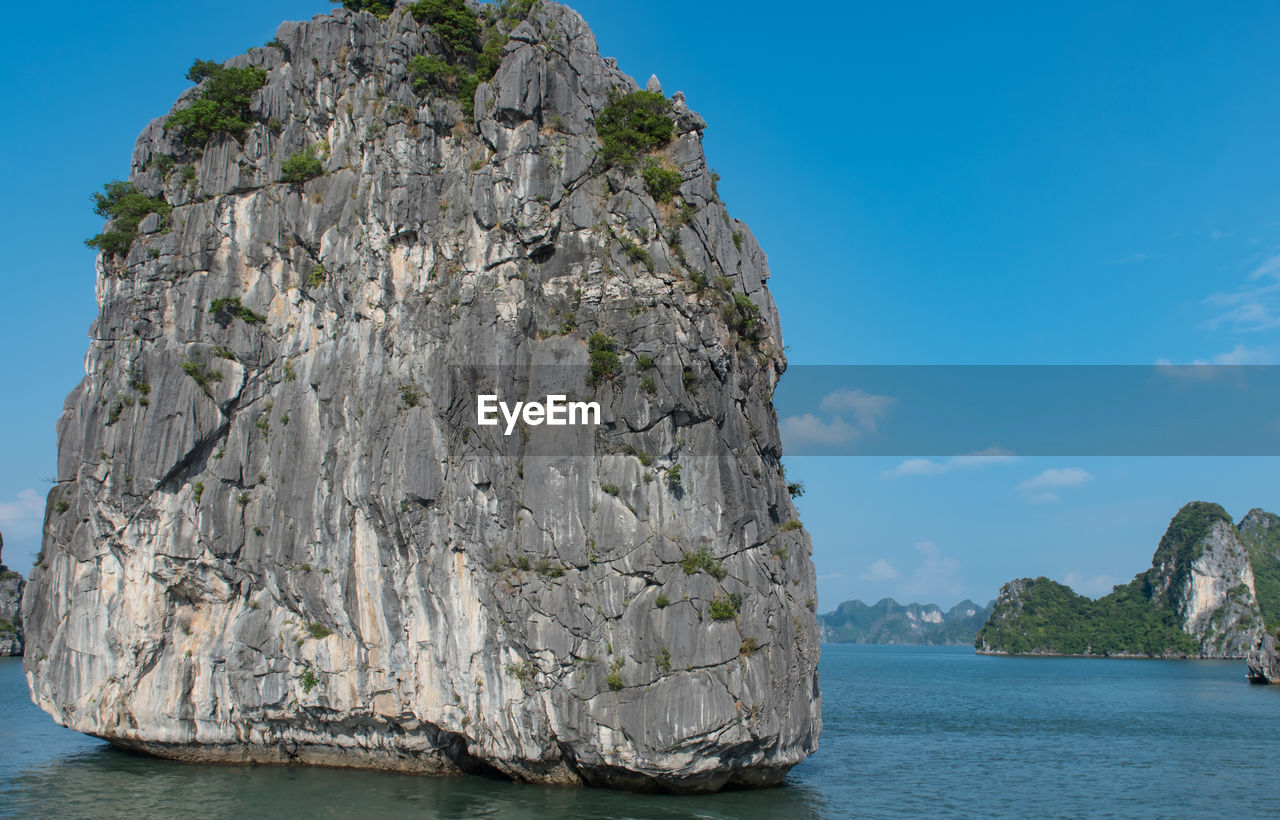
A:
908,731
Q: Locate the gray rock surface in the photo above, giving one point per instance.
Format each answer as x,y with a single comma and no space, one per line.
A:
1263,661
11,588
278,536
1217,601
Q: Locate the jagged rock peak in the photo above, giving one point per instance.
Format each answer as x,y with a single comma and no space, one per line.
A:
277,533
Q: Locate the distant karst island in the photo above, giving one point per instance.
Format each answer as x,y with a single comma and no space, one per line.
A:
889,622
1213,591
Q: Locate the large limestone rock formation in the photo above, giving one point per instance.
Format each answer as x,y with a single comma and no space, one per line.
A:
1207,579
277,532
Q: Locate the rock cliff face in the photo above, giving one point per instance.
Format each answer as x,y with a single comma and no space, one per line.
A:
278,533
11,587
1198,599
1260,532
1207,579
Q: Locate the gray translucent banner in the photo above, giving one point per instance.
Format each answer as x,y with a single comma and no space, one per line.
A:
913,410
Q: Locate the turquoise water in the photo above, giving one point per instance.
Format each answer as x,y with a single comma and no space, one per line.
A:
909,731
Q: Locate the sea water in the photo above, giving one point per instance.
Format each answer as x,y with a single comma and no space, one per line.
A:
908,731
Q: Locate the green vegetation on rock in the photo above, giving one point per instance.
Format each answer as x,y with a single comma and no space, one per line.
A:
701,560
1180,546
1260,532
451,21
300,167
633,125
229,307
221,105
472,51
378,8
662,183
603,355
1046,617
126,207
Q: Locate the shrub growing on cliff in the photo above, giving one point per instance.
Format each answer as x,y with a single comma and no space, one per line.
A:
318,630
202,374
300,167
632,125
221,105
722,609
451,21
230,307
603,355
741,315
126,207
378,8
430,73
661,183
701,560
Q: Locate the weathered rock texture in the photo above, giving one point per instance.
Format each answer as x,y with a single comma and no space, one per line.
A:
11,587
1198,599
1260,532
320,557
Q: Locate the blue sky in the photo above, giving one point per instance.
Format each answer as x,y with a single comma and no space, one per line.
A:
934,183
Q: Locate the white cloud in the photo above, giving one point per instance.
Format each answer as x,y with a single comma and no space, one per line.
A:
867,408
1042,488
23,516
924,466
881,570
1251,307
937,577
798,431
1093,587
1245,355
1239,355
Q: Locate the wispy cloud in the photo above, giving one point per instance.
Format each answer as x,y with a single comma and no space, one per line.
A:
1043,488
866,410
881,570
798,431
23,515
937,577
926,466
1091,586
1240,354
1131,259
1221,366
1254,306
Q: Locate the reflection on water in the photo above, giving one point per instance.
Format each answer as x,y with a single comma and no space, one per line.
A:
46,770
908,731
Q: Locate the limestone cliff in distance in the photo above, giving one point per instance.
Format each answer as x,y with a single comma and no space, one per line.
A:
889,622
1260,532
11,588
1199,599
277,533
